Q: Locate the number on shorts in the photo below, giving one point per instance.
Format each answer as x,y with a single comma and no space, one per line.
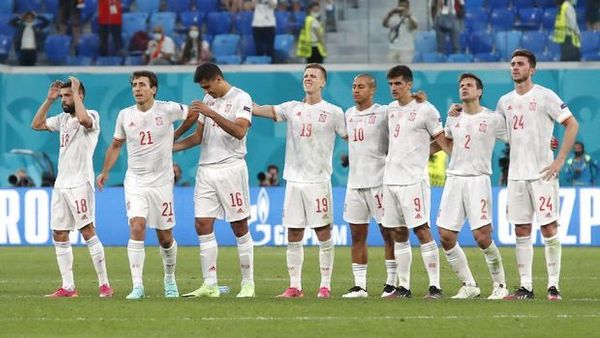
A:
359,134
417,203
236,199
467,141
379,198
306,130
545,204
167,209
145,138
81,206
518,122
64,140
396,130
483,206
322,205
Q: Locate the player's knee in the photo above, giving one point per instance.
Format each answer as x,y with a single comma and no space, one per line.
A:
88,231
60,236
549,230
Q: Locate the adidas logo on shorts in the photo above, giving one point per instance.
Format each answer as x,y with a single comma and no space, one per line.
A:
240,211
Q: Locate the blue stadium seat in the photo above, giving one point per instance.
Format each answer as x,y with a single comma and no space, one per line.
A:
189,19
297,21
57,48
284,46
534,41
247,45
547,56
5,46
243,22
590,43
225,44
481,42
580,17
425,42
88,45
164,19
207,6
552,47
218,23
258,60
433,57
548,18
228,59
134,60
79,60
502,19
22,6
133,22
89,11
506,42
486,57
546,3
471,4
51,6
147,6
591,57
529,18
460,58
179,39
477,19
178,6
5,28
523,3
6,6
109,61
496,4
126,5
282,22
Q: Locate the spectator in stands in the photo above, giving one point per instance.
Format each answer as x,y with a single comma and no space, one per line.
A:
592,15
330,24
311,42
566,32
581,169
194,50
20,178
446,20
232,6
28,36
273,175
178,176
110,20
263,181
161,48
402,26
69,11
283,6
263,26
504,163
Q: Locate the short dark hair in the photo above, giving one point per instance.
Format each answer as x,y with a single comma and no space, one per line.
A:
400,70
68,85
474,77
526,53
261,176
317,66
312,5
368,76
145,73
207,71
581,144
273,166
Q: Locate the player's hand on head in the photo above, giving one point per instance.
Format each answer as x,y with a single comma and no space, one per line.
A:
455,109
74,83
54,90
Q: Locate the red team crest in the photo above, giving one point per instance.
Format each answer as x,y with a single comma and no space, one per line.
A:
372,119
412,116
532,105
323,117
228,108
483,126
159,121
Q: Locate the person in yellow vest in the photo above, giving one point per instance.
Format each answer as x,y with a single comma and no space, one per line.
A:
437,168
566,32
311,42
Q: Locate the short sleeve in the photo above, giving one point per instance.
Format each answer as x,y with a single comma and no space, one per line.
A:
244,110
95,120
433,122
53,123
284,110
557,108
177,111
119,128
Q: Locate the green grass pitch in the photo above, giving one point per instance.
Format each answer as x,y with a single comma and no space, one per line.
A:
28,273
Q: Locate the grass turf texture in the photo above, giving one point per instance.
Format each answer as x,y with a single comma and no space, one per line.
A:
28,273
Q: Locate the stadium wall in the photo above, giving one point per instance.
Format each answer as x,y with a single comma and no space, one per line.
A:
25,219
23,90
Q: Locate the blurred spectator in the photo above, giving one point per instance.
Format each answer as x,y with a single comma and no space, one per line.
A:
311,42
446,15
504,162
330,24
402,26
194,50
20,178
161,48
178,175
283,5
139,42
581,169
344,160
232,6
273,175
110,21
592,15
566,32
437,168
69,11
263,26
262,179
28,36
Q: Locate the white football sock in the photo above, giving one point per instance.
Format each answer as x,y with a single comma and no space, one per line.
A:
64,257
392,272
524,253
403,254
245,246
295,258
553,251
169,259
137,255
494,263
209,251
431,259
326,252
458,262
96,250
360,275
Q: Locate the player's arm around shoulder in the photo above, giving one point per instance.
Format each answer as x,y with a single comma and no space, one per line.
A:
39,120
266,111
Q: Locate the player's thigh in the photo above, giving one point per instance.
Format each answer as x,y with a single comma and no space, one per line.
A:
136,202
206,200
545,200
392,213
519,207
293,215
356,208
479,201
375,202
318,204
161,209
451,214
414,201
81,201
61,217
234,193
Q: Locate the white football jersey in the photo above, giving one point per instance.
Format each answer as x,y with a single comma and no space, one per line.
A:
310,139
411,128
530,123
77,145
217,145
474,137
367,145
149,137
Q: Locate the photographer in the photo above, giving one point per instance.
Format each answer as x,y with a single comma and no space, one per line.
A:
401,25
503,162
581,168
20,179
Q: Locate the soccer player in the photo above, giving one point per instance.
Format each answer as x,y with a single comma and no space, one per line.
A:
411,126
311,128
147,128
73,203
367,144
468,190
530,111
222,189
